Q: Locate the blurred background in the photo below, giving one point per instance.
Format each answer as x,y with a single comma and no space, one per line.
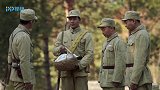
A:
52,18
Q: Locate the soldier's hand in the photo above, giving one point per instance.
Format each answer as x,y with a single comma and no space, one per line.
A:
28,86
63,50
76,66
133,86
116,84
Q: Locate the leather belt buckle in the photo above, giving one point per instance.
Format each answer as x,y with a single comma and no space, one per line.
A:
108,67
129,65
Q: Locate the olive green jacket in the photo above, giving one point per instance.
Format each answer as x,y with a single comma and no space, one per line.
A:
113,54
22,49
138,49
85,49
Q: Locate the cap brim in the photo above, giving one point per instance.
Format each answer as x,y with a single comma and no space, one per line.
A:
124,19
72,16
101,26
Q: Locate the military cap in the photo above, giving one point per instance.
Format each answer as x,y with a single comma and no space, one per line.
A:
131,15
107,22
27,15
73,13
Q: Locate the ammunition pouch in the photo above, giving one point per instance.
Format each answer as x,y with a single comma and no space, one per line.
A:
16,66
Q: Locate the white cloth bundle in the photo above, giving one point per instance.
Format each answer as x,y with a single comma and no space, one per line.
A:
63,57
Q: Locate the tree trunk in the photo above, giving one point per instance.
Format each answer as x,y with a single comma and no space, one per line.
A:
68,5
47,64
48,85
130,5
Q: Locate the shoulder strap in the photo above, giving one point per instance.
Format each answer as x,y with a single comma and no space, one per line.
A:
12,37
62,37
76,41
105,47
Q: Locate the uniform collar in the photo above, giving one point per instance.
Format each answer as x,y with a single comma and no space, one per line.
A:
73,31
140,27
23,28
112,37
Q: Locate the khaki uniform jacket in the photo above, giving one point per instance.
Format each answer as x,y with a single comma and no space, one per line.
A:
84,49
22,48
113,54
138,49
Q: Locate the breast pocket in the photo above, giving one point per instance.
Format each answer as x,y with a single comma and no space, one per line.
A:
66,42
130,52
109,51
82,45
130,46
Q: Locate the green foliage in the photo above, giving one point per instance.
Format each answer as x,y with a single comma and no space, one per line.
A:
8,22
52,19
149,7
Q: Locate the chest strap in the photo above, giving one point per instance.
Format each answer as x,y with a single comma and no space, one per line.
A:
76,41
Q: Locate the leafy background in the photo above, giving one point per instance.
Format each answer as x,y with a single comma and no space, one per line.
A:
52,18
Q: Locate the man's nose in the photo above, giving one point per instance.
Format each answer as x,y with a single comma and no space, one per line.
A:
71,20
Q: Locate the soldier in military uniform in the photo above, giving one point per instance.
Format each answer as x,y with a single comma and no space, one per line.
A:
20,52
112,70
75,79
138,75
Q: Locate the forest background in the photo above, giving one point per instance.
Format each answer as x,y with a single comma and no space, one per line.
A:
52,18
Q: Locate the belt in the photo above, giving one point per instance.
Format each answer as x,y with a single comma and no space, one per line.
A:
112,67
15,60
108,67
129,65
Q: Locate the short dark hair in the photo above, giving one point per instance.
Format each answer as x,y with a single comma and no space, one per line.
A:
23,22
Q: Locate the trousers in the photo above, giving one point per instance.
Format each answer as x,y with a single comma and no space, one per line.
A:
75,83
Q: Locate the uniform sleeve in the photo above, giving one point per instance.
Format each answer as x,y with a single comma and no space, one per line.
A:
89,49
120,58
141,49
24,54
100,72
56,49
